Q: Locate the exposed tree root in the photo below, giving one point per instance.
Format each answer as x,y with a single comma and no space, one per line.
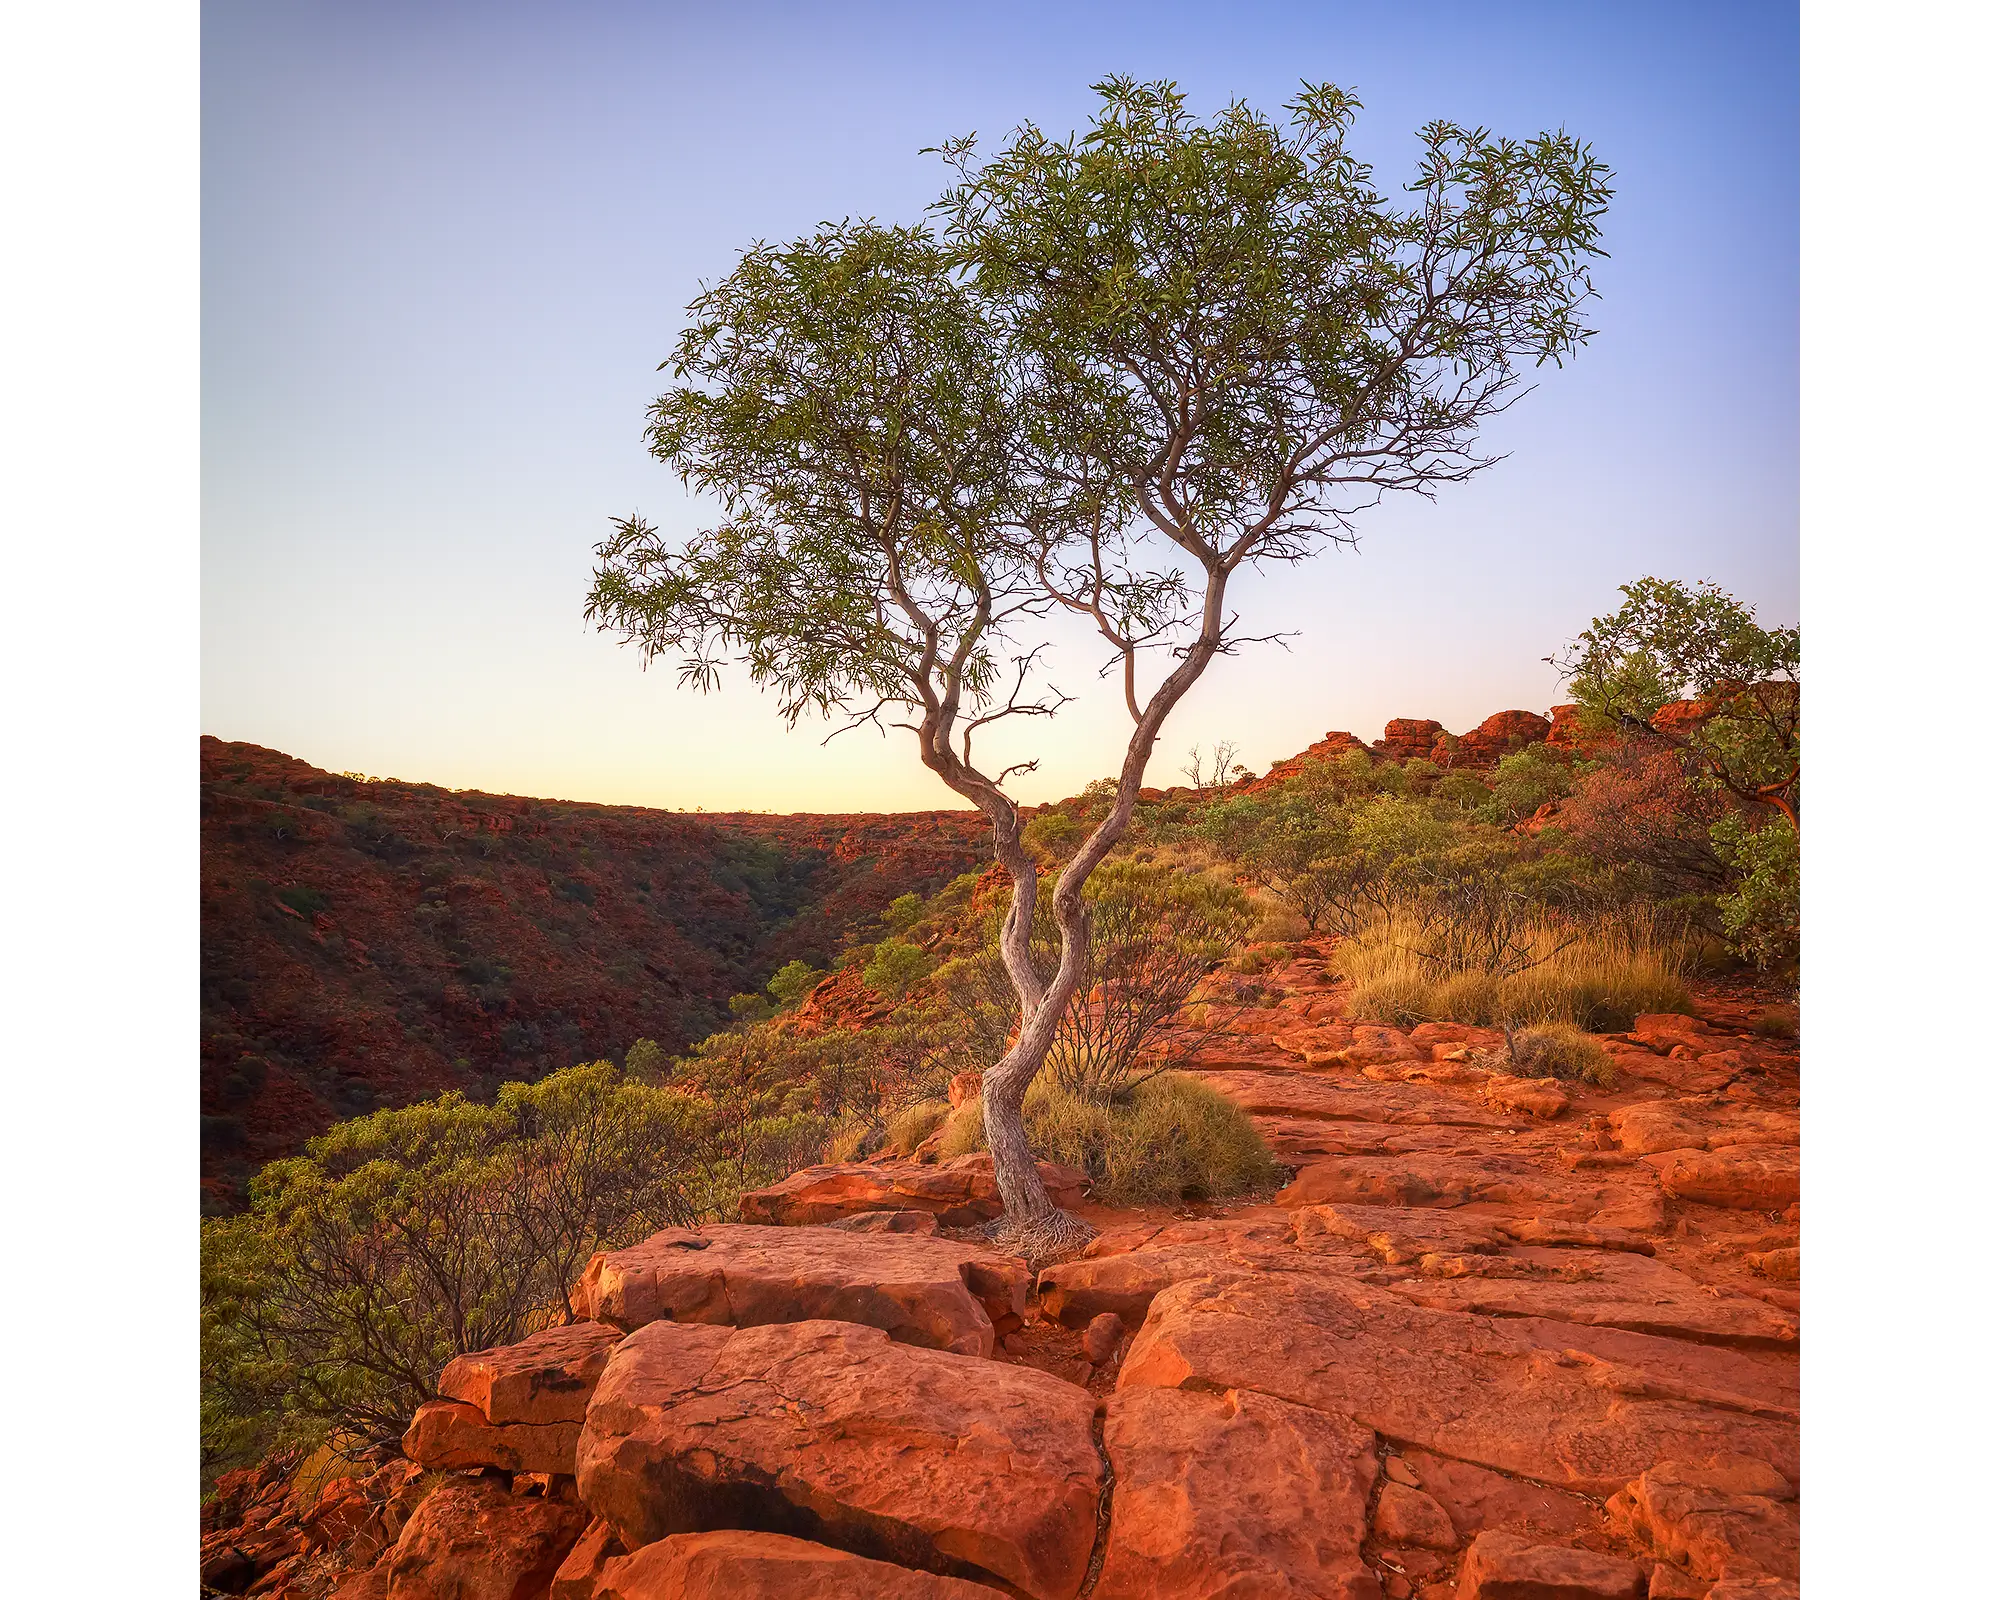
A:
1057,1236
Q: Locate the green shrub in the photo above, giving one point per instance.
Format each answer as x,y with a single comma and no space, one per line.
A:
402,1239
1558,1050
1171,1138
1760,913
894,967
791,983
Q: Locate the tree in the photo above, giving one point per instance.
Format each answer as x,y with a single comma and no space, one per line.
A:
1728,688
1136,363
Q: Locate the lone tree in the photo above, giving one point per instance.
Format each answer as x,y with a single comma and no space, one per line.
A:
1125,367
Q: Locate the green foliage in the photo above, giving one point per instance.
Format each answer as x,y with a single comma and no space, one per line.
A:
1168,1139
1670,641
1760,913
647,1063
792,982
894,967
903,911
402,1239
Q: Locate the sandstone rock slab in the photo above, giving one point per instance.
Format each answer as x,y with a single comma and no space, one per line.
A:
832,1431
960,1192
449,1435
1480,1389
547,1377
731,1564
1612,1289
934,1292
1504,1566
1234,1494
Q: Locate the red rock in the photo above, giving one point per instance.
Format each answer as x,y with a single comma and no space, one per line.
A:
922,1223
1507,1394
1237,1493
1781,1265
1409,738
1503,1566
961,1192
1417,1181
1501,735
833,1430
1611,1289
1670,1583
1101,1336
1589,1236
1409,1516
472,1540
1398,1234
1545,1098
547,1377
1121,1273
731,1564
446,1435
1744,1177
934,1292
1680,1512
577,1577
1477,1499
1375,1046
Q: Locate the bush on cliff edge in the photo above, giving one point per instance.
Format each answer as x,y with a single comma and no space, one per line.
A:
1171,1138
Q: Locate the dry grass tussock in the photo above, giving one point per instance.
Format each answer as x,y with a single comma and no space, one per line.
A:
1170,1138
1597,976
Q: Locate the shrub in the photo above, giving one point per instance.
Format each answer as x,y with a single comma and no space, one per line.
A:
1760,913
1558,1050
792,982
1166,1139
402,1239
914,1124
1597,975
894,967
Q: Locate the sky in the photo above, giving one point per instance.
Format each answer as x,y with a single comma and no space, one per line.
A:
446,247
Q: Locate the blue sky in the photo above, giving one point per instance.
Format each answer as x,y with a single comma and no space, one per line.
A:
445,248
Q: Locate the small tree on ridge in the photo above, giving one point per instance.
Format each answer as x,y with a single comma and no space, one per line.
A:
1135,363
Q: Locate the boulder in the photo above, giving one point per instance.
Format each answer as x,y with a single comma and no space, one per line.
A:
547,1377
935,1292
1508,1394
1545,1098
1237,1493
1409,1516
1500,735
472,1540
961,1192
1504,1566
1697,1520
1743,1177
449,1435
833,1431
732,1564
